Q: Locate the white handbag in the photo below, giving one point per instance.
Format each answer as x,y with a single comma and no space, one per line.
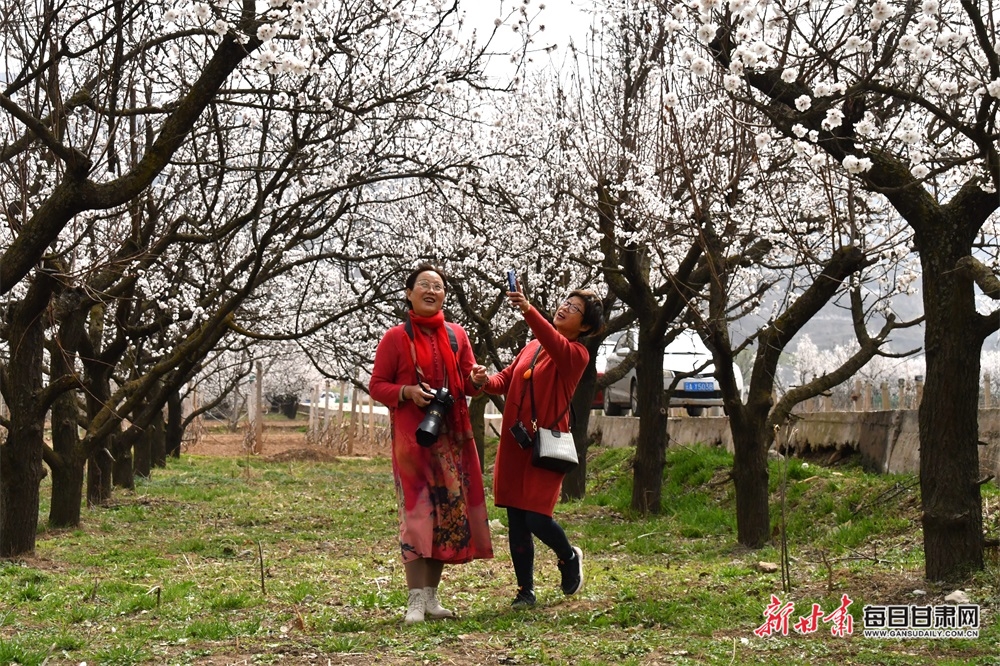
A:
553,449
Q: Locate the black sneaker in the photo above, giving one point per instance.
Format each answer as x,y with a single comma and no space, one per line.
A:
524,599
572,572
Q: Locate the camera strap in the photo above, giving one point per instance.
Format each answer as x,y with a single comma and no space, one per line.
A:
531,389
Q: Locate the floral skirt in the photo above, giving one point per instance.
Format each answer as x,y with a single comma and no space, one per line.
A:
442,504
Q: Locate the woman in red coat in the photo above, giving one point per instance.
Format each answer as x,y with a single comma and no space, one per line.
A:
439,482
530,493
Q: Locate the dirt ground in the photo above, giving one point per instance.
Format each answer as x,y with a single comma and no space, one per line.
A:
286,440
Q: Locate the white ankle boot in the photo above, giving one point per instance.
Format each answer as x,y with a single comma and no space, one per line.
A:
433,607
415,607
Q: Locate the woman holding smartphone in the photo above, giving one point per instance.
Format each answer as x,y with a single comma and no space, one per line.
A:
554,362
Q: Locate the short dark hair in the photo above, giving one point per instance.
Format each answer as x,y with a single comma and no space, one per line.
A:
593,310
411,279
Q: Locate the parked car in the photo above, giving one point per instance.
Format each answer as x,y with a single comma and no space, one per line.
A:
686,354
600,363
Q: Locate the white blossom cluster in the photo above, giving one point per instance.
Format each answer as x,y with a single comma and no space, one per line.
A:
935,55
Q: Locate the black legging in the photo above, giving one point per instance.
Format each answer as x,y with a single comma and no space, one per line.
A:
523,524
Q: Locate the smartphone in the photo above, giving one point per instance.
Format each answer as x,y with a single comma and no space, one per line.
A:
511,281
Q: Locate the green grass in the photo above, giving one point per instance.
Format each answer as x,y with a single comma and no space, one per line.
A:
172,573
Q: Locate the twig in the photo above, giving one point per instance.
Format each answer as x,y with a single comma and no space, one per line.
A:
786,574
829,573
733,660
260,553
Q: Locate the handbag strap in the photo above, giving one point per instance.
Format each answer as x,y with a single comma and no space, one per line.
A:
531,389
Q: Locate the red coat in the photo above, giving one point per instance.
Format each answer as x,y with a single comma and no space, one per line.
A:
516,482
439,489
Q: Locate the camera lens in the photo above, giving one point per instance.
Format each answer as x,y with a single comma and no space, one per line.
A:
430,428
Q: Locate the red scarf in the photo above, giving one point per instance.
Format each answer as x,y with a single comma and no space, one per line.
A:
458,416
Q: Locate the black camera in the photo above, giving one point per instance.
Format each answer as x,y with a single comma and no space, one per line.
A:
521,435
430,427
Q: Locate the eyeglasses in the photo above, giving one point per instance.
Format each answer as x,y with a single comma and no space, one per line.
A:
572,307
430,286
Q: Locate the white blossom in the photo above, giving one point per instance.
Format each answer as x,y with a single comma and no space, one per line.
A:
930,7
266,32
993,88
731,82
883,11
857,165
866,127
670,100
706,32
762,140
855,44
908,134
920,171
803,102
701,67
923,53
834,118
908,43
202,12
799,130
788,75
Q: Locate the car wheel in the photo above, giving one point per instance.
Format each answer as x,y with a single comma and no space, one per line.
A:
633,398
610,409
695,411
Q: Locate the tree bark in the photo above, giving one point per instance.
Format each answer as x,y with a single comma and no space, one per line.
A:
21,469
123,467
651,447
949,426
575,483
157,436
99,474
174,430
751,442
67,463
67,457
477,417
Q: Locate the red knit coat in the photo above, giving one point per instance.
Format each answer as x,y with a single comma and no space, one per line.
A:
424,476
516,482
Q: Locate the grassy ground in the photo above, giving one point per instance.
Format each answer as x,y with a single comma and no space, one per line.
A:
244,561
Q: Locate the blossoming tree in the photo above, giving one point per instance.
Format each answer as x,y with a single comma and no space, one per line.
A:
904,95
166,167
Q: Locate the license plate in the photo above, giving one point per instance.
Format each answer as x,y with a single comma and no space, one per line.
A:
699,386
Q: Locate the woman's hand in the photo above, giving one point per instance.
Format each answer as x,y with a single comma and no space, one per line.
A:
478,376
518,300
418,393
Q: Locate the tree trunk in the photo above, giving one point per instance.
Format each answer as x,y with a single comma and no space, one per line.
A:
67,466
142,453
575,483
21,469
477,416
99,474
651,448
122,469
157,436
750,475
949,427
174,431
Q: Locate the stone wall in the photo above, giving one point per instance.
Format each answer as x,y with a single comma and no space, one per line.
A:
887,441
